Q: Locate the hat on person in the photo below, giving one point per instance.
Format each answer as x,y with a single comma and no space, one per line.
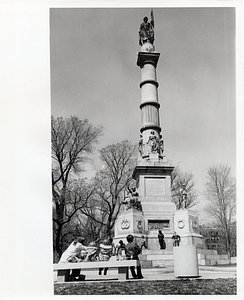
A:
130,238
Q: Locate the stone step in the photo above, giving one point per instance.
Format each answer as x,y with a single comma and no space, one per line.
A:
214,262
146,263
163,263
206,251
164,258
204,262
201,256
212,256
158,251
159,257
216,256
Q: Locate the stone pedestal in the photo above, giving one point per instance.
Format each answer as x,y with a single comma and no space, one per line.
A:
129,221
185,261
186,225
154,187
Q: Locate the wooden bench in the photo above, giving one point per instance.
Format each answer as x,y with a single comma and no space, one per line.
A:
63,269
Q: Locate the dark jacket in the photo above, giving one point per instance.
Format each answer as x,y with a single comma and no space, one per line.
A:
132,250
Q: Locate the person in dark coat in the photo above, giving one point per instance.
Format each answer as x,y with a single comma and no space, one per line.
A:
132,250
161,240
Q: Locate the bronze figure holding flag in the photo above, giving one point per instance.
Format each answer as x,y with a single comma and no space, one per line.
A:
146,31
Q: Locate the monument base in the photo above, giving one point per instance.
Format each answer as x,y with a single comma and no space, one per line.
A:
186,226
129,221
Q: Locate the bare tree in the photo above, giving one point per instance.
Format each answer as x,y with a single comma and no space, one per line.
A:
221,194
72,141
179,180
118,162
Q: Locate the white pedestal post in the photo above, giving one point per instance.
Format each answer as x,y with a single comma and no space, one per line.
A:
185,261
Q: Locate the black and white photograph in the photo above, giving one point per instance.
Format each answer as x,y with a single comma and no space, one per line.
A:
127,146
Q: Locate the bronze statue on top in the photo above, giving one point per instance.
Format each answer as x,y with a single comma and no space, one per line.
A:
146,31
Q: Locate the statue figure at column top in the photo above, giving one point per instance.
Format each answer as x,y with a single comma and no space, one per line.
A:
146,31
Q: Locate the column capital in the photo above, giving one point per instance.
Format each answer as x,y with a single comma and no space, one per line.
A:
147,58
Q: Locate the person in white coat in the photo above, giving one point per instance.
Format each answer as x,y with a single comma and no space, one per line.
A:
77,252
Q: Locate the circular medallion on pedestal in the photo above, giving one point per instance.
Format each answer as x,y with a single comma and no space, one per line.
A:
194,224
125,224
181,224
139,224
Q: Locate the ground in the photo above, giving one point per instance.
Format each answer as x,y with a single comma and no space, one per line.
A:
220,286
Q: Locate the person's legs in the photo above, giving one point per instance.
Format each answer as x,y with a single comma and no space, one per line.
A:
105,271
100,271
139,274
75,273
133,273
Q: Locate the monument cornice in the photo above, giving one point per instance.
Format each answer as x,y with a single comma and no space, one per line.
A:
152,170
147,58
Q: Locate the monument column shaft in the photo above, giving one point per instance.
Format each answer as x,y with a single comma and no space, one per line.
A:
150,116
150,130
149,93
149,96
148,84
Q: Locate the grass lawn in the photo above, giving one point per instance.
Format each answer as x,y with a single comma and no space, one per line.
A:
221,286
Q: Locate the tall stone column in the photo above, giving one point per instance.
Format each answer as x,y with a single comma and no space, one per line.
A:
151,141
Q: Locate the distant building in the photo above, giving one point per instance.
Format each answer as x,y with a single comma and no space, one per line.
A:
214,239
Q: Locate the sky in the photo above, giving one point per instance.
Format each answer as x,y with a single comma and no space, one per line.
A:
94,75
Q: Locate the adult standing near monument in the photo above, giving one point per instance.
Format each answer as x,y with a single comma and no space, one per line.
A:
161,240
132,250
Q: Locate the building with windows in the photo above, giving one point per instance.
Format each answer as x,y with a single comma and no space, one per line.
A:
214,239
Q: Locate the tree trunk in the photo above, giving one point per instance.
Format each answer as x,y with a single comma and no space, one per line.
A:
58,246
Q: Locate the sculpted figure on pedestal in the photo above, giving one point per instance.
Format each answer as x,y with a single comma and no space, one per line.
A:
183,197
141,145
161,146
153,140
132,199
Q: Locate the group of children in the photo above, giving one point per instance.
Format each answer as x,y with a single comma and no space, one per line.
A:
77,252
